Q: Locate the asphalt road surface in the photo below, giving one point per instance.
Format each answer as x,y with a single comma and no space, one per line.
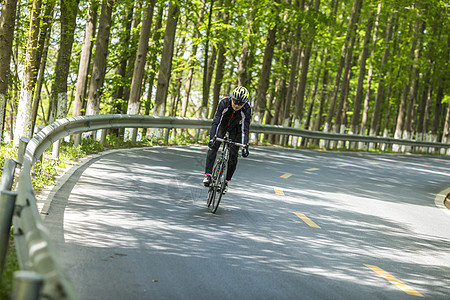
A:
296,224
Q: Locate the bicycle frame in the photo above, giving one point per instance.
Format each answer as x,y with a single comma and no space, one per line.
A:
219,174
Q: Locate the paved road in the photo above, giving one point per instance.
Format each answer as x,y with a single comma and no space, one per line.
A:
296,224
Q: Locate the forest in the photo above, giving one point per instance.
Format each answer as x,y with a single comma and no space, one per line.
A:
379,67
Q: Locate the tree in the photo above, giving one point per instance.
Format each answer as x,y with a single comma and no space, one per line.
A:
23,121
362,72
345,53
7,23
190,74
263,83
85,59
101,53
139,65
166,60
69,11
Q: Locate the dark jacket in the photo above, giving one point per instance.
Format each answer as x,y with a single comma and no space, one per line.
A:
226,117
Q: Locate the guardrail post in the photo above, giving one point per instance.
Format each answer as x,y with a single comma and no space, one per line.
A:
103,138
77,140
7,202
27,285
9,168
55,150
166,136
23,142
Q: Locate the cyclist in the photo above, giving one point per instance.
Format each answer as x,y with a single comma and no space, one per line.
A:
233,115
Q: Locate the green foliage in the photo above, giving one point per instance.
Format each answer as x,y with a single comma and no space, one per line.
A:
11,266
6,152
90,145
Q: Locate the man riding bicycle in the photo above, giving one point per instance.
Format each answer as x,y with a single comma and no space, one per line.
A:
233,115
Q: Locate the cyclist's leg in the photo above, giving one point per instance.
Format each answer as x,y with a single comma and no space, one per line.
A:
212,153
234,151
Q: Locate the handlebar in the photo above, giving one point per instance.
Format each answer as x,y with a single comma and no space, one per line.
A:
229,142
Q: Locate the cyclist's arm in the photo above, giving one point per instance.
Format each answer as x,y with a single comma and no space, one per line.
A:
247,115
217,118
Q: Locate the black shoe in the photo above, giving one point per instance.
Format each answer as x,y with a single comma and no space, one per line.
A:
207,180
225,189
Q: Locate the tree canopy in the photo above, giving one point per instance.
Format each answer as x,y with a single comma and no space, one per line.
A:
365,67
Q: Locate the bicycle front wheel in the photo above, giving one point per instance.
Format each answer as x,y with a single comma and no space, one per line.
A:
220,186
212,192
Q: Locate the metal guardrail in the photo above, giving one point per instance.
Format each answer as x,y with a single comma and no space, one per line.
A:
33,246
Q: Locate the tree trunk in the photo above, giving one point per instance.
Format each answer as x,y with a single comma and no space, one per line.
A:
44,42
415,53
23,121
193,59
263,82
370,73
362,74
300,97
206,66
166,60
101,53
374,126
351,32
243,57
69,11
85,59
220,67
139,65
7,24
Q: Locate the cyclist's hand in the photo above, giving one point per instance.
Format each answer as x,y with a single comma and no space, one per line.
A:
245,152
210,144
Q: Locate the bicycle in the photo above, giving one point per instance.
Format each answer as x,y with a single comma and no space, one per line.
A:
219,174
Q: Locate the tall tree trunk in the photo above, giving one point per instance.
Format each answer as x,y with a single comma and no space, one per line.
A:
351,32
206,66
263,82
101,53
362,74
220,66
7,24
139,68
300,97
193,59
23,121
374,126
69,11
166,60
370,73
347,66
412,95
139,65
243,57
42,51
86,52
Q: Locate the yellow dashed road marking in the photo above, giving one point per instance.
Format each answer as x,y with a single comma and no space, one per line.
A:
312,169
342,165
286,176
306,220
278,191
374,163
397,282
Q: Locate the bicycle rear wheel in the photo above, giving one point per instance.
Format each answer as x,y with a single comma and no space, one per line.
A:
220,186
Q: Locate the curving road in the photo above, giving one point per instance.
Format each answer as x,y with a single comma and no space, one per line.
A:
296,224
